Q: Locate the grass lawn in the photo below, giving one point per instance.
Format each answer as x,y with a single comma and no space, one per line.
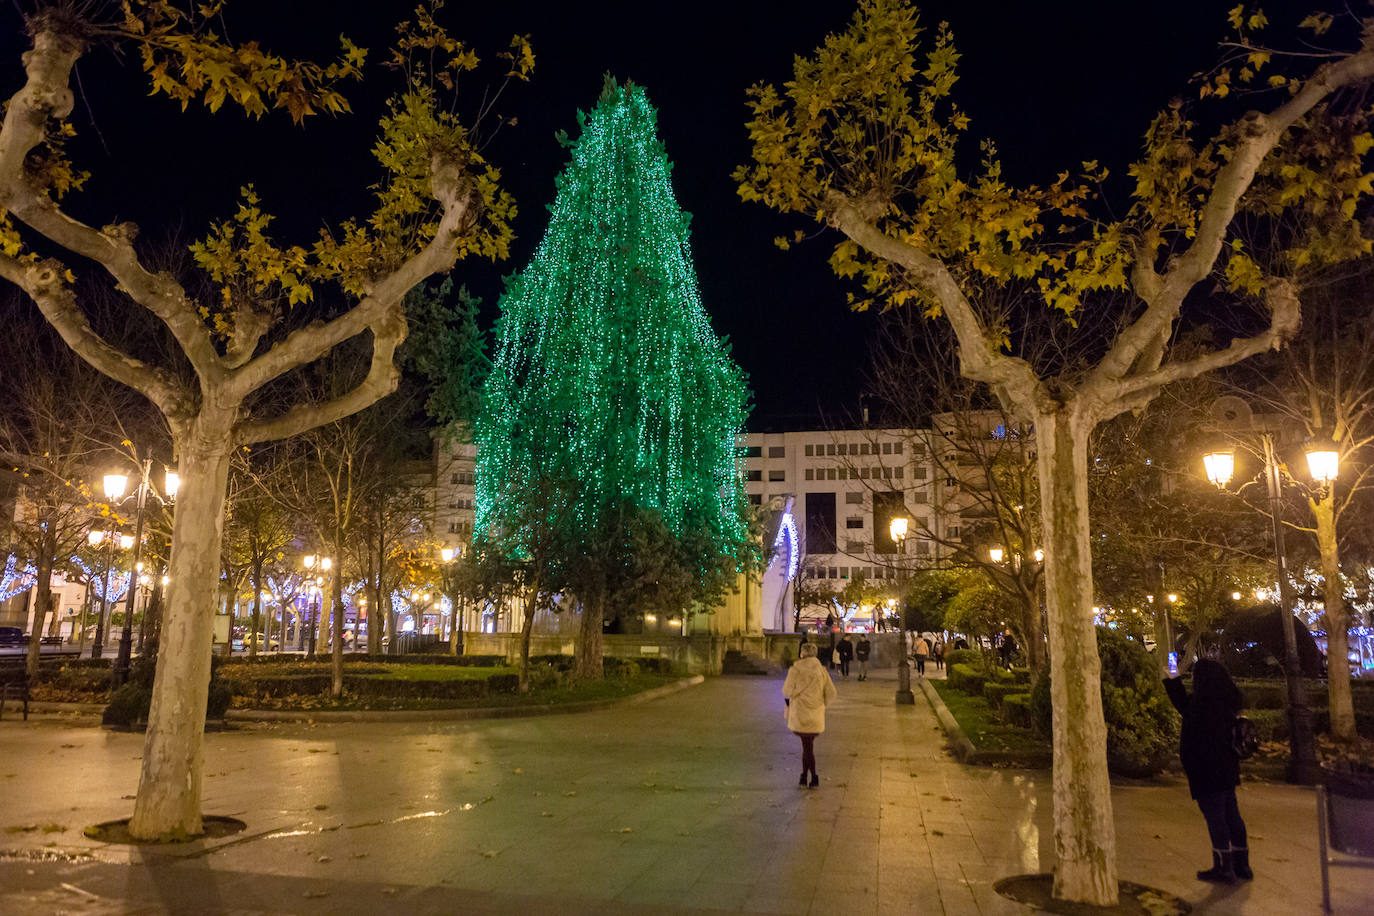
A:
987,732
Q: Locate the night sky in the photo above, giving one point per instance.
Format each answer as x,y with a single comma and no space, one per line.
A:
1053,83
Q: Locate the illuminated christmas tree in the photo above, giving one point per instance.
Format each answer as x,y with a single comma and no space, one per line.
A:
607,374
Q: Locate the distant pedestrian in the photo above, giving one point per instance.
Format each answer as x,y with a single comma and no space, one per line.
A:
862,650
922,652
845,651
807,691
1007,650
828,657
1211,764
937,652
961,643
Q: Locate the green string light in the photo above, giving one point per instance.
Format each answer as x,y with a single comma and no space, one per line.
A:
606,370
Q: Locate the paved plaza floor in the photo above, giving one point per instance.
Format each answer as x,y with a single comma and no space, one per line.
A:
684,804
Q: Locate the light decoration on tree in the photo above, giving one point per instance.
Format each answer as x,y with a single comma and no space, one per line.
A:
95,581
16,581
607,371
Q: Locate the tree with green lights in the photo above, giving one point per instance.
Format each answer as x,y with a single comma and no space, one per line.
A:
608,377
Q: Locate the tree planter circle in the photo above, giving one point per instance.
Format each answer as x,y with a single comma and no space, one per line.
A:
1132,899
215,827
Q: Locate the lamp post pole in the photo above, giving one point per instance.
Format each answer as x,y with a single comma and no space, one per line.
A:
897,529
1302,758
121,665
98,643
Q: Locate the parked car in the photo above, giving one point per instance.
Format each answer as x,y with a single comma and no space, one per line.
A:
11,636
240,644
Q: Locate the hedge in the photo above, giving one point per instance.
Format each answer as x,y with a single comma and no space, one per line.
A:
1016,709
965,678
1021,676
995,694
963,657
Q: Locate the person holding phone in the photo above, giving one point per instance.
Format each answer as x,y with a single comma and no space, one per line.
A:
1210,762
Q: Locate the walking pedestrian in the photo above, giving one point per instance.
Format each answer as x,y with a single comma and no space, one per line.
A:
862,650
1211,764
922,650
938,653
807,691
845,650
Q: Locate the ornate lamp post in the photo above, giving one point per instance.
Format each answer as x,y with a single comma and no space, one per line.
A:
96,538
456,608
1220,466
897,530
115,487
325,564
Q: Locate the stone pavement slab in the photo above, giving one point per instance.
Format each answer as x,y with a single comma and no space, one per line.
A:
684,804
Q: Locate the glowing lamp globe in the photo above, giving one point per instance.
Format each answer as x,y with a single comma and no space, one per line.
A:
1324,463
447,554
115,485
95,538
996,554
126,541
1220,467
172,484
897,528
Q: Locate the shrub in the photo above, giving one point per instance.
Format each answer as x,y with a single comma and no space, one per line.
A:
1142,727
1002,676
1021,676
1016,709
965,678
963,657
128,706
219,700
503,683
995,694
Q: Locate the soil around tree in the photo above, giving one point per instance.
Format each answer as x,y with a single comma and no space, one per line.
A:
117,832
1132,899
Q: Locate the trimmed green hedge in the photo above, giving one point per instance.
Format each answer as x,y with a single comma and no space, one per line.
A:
995,694
966,678
963,657
1021,676
1016,709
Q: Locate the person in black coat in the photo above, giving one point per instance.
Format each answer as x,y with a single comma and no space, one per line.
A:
845,651
1213,768
862,650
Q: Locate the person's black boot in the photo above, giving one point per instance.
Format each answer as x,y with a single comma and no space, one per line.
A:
815,780
802,781
1221,871
1240,863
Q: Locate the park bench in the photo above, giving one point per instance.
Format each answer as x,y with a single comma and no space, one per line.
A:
14,677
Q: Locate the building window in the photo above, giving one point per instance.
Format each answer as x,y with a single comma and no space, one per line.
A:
854,498
777,451
756,499
753,475
863,448
952,532
810,450
887,448
877,473
844,572
922,548
810,474
454,480
753,451
777,475
830,474
834,573
830,448
854,521
951,482
919,497
887,473
919,473
855,547
900,472
896,448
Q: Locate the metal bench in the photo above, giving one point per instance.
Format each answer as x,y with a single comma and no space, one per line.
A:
1344,824
14,677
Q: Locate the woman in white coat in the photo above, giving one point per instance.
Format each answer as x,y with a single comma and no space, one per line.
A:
807,691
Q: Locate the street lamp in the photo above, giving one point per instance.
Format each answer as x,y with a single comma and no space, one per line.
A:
1302,755
897,529
995,554
457,608
310,561
116,485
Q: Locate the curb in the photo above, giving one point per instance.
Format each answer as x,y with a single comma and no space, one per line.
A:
454,715
959,743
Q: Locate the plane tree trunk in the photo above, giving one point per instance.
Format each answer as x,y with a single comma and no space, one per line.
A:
1341,701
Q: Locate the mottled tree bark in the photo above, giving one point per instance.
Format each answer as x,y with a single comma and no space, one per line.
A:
1084,834
1342,705
168,801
